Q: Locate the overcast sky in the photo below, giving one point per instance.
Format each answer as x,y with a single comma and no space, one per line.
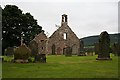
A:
85,17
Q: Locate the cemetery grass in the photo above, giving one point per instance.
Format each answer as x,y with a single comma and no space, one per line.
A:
62,67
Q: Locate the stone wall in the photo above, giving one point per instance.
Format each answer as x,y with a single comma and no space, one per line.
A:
41,39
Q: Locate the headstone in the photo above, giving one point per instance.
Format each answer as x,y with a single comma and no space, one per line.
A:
40,58
96,48
104,46
68,51
29,60
1,59
116,49
9,51
43,58
82,51
33,45
89,51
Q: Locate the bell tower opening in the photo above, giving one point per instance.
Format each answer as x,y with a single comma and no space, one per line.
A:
64,19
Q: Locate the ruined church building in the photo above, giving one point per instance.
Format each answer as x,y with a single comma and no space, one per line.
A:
62,38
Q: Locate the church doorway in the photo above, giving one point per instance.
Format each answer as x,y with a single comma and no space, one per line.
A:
53,49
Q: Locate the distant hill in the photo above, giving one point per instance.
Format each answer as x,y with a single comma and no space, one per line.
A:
90,40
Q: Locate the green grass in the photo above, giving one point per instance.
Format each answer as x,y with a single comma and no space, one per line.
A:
63,67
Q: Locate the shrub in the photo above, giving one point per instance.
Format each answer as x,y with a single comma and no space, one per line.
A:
22,52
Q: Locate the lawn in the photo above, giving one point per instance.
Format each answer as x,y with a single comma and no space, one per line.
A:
63,67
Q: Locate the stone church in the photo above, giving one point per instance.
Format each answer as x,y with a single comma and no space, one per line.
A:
57,43
62,38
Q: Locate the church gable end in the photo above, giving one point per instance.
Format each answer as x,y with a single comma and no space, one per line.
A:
63,37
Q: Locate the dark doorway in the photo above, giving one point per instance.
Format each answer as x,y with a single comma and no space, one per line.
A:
64,51
68,51
59,50
53,49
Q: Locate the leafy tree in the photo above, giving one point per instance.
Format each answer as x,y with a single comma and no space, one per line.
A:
14,22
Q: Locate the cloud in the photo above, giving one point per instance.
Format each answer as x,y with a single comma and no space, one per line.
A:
84,18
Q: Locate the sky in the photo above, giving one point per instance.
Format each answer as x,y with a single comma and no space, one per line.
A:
85,17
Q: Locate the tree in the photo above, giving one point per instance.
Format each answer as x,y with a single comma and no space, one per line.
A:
14,22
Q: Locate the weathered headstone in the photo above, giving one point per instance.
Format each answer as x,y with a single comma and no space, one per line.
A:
104,46
9,51
33,45
1,59
43,58
89,51
82,52
40,58
96,48
68,51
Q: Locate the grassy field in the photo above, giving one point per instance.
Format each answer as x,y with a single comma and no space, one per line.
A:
63,67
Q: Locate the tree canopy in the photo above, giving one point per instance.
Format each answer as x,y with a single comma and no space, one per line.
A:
15,22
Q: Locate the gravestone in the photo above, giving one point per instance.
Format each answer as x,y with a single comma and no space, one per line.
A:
89,51
40,58
96,48
1,59
33,45
82,51
116,49
9,51
104,46
68,51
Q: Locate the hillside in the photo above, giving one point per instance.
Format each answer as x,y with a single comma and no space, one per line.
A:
90,40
